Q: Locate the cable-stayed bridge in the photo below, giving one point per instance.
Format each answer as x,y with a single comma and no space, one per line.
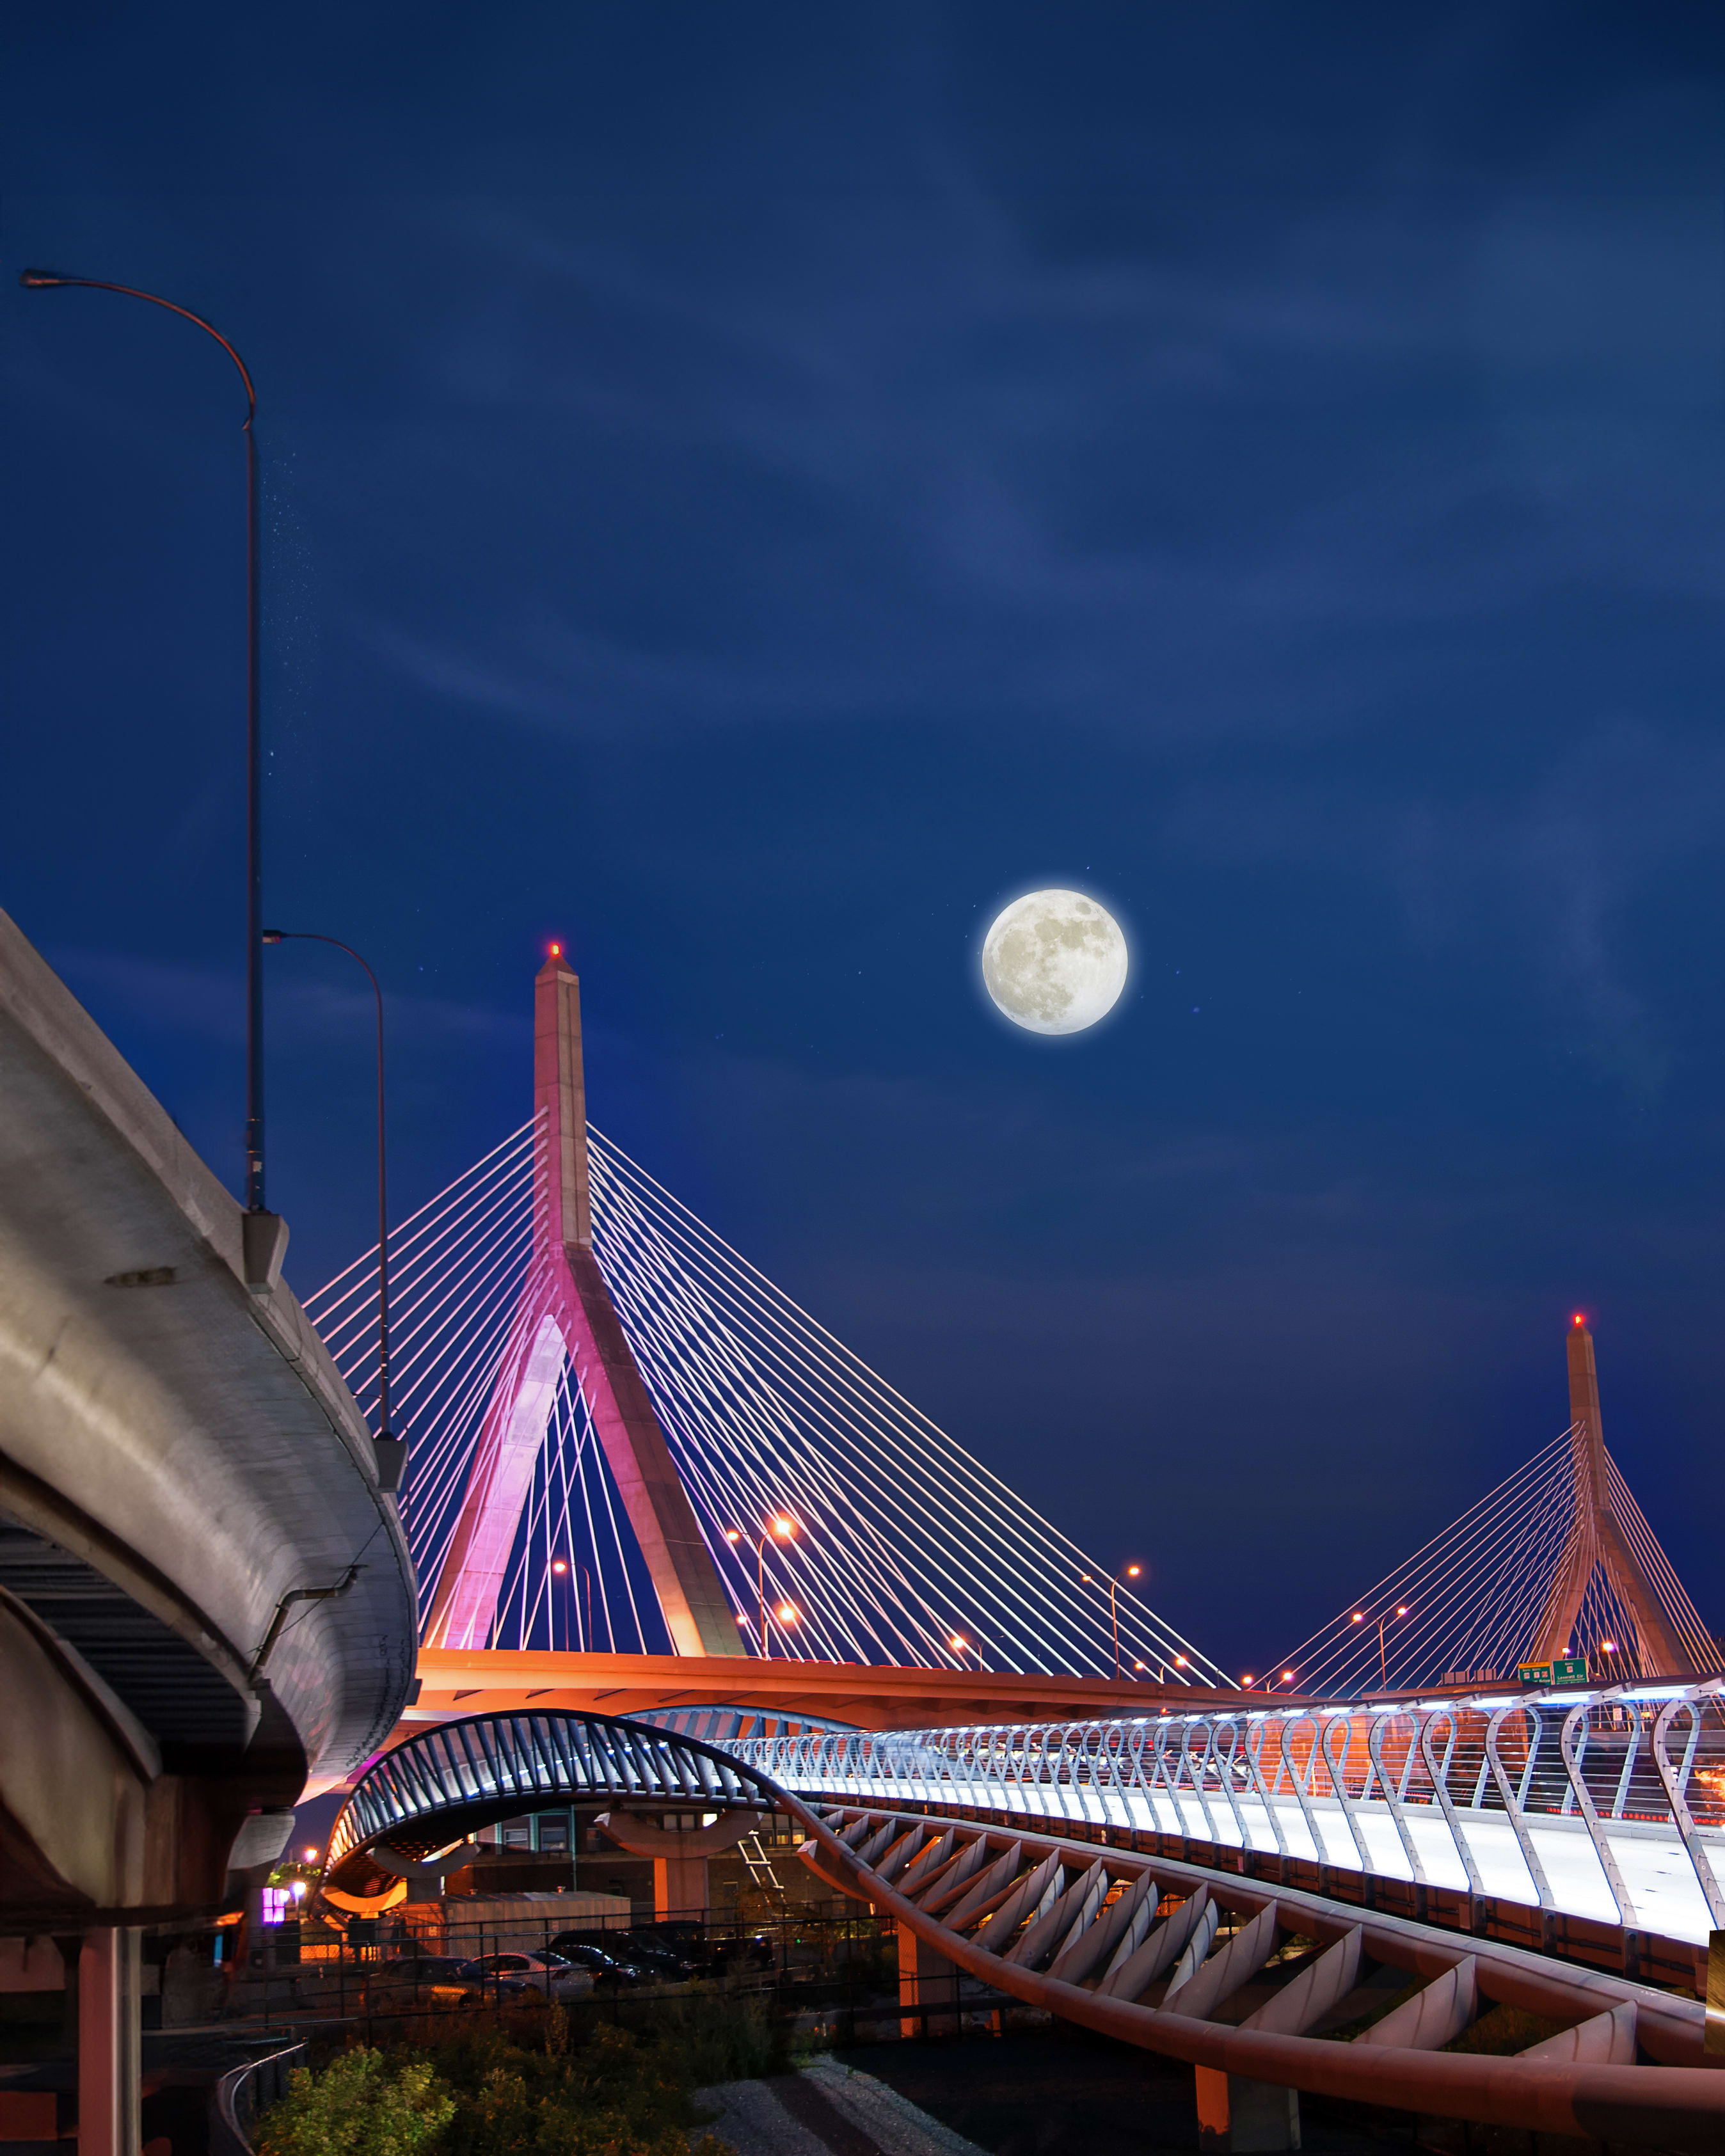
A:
626,1441
1558,1561
643,1478
628,1444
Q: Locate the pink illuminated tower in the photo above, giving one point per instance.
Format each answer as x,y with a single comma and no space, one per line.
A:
566,1308
1597,1544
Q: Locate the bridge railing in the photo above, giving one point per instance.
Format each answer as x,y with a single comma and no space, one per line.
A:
1569,1800
244,2092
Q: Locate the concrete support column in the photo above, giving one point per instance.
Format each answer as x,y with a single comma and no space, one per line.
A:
926,1979
110,2044
258,1939
680,1887
679,1846
1237,2114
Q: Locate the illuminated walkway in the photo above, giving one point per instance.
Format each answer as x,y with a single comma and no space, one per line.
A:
1604,1806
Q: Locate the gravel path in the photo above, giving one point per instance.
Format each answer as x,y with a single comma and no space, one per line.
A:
826,2110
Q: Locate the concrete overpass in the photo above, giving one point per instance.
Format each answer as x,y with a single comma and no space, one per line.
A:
184,1477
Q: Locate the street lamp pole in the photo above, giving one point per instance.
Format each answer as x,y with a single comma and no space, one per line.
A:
562,1565
783,1526
1132,1573
39,281
386,1435
1359,1617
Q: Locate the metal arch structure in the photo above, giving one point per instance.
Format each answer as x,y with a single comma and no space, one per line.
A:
1601,1811
440,1785
1165,1955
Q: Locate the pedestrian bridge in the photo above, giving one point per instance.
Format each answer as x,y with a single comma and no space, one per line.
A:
1265,1989
1606,1806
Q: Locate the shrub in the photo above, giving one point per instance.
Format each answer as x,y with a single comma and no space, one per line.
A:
541,2084
362,2104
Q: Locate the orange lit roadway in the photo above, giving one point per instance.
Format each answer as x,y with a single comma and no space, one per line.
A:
456,1681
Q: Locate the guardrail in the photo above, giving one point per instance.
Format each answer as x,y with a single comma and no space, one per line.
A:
244,2093
1574,1802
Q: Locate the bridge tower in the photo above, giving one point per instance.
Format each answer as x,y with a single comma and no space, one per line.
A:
1596,1542
566,1308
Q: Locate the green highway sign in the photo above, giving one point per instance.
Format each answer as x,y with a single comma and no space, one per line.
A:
1567,1669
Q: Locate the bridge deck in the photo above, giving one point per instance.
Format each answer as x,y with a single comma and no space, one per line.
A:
503,1680
1655,1865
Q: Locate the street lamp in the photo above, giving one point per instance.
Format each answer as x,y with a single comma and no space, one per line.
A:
1401,1610
780,1528
391,1451
263,1244
962,1645
560,1569
586,1637
1131,1571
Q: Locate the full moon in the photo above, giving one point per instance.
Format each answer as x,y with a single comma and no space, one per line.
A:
1054,962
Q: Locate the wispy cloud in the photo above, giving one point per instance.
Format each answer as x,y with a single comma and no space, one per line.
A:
969,472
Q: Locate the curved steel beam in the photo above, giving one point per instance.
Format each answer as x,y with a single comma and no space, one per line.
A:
464,1775
1678,2105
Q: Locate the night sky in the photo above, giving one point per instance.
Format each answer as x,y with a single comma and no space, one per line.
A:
748,491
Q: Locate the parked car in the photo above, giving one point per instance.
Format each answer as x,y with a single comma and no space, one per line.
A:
425,1968
444,1980
552,1974
747,1950
665,1962
603,1966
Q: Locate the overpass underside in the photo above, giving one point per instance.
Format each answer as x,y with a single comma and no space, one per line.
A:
205,1597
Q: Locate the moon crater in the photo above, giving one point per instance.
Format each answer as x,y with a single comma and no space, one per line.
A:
1054,962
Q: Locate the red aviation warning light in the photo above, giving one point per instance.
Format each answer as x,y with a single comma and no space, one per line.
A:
554,951
1580,1319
